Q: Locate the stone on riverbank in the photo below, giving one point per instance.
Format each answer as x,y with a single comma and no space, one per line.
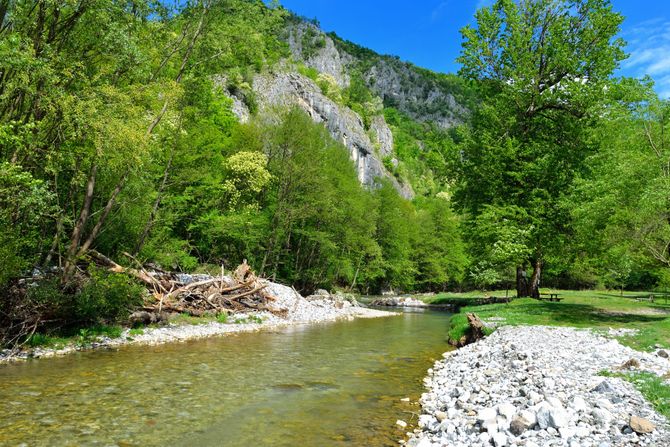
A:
522,422
540,386
641,425
398,301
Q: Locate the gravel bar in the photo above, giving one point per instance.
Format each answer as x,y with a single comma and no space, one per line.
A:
540,386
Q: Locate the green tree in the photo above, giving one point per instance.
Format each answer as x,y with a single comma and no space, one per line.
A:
621,206
396,225
500,242
439,253
322,220
27,210
544,67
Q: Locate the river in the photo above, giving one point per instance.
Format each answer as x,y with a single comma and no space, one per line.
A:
335,384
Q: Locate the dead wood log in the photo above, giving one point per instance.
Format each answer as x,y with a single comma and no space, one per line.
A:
242,295
112,266
242,272
474,332
245,291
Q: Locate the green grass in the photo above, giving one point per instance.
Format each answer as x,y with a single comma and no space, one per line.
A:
81,336
583,309
248,319
652,387
186,319
46,341
104,330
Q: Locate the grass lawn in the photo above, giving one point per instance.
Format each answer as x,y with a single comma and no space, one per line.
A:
584,309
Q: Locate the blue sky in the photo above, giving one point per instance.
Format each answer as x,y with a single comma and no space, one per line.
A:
426,32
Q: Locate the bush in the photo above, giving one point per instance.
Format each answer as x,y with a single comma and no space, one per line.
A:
48,294
106,297
311,73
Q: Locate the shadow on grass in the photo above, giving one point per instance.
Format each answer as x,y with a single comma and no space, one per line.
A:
639,296
584,313
469,300
566,313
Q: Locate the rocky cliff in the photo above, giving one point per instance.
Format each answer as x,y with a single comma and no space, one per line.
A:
419,93
366,148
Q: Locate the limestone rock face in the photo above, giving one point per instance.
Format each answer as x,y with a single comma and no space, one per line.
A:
308,43
285,89
383,135
400,84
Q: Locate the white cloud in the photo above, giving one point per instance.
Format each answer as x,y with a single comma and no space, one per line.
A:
663,86
661,66
438,11
649,48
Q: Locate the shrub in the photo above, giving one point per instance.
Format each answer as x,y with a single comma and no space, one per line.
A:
309,72
48,294
106,297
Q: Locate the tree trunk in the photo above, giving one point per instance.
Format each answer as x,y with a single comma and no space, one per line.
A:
4,7
103,217
358,269
78,229
154,210
534,289
521,282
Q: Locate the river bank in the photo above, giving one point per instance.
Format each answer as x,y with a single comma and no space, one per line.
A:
292,309
541,386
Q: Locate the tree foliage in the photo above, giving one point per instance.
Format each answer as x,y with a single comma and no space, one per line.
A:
544,67
117,135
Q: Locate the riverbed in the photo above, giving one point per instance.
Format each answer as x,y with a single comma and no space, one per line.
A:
330,384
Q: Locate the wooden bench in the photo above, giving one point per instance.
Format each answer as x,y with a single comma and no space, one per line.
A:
550,297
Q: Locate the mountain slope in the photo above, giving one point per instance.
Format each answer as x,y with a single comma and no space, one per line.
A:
351,89
423,95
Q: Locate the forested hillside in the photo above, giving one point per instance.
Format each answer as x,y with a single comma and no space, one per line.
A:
192,138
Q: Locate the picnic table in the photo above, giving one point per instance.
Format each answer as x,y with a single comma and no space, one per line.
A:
650,298
550,296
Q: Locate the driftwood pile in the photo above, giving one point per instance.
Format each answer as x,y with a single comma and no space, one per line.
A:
240,292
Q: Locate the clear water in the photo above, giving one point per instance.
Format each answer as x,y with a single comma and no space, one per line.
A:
337,384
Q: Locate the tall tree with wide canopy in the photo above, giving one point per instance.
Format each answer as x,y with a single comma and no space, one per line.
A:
622,208
543,67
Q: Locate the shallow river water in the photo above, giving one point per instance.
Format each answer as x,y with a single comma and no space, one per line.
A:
336,384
